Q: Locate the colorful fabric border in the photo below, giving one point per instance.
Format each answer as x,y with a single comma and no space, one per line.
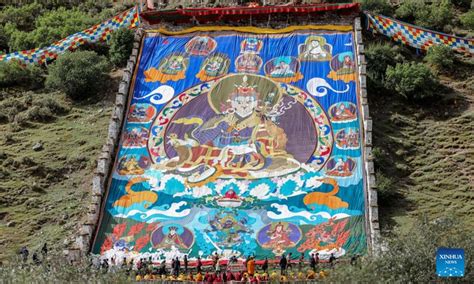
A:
415,36
99,32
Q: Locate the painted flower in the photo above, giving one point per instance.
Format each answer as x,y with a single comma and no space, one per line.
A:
152,227
106,245
135,229
141,242
119,229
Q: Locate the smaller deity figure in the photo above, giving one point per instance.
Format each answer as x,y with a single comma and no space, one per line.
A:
339,167
213,67
141,113
283,69
136,137
248,63
315,48
348,64
251,45
173,65
130,165
230,227
343,67
343,111
172,236
347,139
200,45
173,239
279,239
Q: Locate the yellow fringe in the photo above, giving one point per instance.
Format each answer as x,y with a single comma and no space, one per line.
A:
253,29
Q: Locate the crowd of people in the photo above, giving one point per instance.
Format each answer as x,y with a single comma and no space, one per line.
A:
221,271
35,257
215,271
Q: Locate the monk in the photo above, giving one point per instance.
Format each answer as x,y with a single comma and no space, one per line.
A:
251,266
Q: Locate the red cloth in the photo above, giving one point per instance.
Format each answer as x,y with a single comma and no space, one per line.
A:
210,14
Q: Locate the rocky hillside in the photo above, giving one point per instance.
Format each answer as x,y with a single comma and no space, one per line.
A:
48,150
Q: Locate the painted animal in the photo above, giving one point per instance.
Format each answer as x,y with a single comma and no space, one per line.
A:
326,198
133,197
326,236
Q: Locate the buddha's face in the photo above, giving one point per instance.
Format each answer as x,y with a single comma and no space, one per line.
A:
244,105
314,43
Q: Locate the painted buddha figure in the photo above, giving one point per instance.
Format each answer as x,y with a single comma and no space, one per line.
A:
239,138
315,48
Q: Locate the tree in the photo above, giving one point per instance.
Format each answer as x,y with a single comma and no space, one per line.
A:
411,80
79,74
441,57
12,73
121,45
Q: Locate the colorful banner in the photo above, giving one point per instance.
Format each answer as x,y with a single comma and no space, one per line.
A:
99,32
239,143
415,36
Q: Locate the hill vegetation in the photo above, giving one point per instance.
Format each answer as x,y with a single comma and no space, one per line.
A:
422,108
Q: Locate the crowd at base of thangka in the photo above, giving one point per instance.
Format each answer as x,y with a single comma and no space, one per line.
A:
285,268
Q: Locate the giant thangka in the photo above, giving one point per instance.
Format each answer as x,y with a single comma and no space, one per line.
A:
239,142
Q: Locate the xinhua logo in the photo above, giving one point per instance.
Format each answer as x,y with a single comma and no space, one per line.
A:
450,262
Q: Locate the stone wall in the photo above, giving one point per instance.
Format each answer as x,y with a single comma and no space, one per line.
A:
371,207
80,244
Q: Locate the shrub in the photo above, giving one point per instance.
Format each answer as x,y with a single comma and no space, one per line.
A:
35,113
20,40
436,15
385,190
411,80
22,17
49,27
52,104
467,20
441,57
379,56
79,74
409,257
3,40
377,6
466,4
408,9
60,23
12,73
121,45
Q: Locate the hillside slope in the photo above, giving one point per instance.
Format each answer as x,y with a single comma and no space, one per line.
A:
44,189
427,151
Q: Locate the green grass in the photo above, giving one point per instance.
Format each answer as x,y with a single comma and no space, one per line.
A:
43,194
428,150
